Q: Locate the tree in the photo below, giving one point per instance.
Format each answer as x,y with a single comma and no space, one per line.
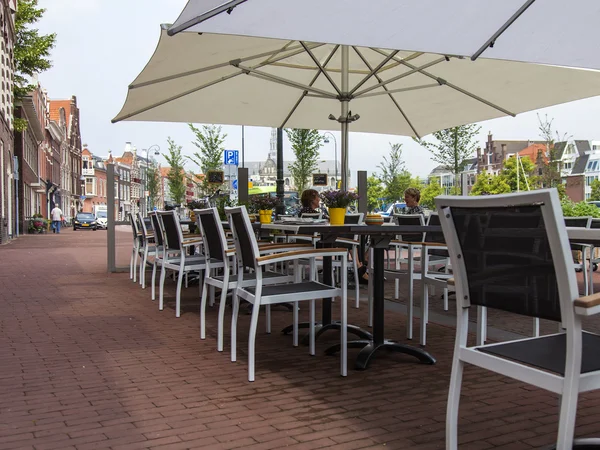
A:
521,178
488,184
305,145
375,192
430,192
153,183
454,147
551,174
394,176
209,140
31,52
595,194
176,175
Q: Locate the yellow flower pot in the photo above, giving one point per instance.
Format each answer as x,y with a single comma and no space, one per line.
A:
265,215
337,216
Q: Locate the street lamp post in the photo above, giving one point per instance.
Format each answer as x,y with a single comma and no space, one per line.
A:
326,140
145,175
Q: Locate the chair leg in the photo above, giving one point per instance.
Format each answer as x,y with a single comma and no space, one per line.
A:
409,317
131,262
311,334
568,407
161,289
536,326
135,258
481,325
178,292
143,270
203,312
252,339
424,309
295,324
344,318
154,279
235,303
452,407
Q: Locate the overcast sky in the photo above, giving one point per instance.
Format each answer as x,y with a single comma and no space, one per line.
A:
103,44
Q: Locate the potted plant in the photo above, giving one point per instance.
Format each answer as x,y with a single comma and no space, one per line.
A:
337,202
37,224
264,204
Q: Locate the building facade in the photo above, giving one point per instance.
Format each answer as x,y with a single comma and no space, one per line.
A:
8,217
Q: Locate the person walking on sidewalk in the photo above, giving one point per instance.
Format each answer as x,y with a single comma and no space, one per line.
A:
57,217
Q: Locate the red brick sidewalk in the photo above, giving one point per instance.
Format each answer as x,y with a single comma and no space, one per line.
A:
88,362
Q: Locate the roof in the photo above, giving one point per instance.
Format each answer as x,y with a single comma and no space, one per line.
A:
559,149
580,165
164,171
55,106
532,152
583,146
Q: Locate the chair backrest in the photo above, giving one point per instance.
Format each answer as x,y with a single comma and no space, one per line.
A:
134,227
595,223
142,226
318,215
245,240
411,219
510,252
172,230
434,236
353,218
158,232
579,222
213,235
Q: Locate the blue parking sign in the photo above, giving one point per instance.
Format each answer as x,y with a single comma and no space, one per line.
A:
234,184
231,157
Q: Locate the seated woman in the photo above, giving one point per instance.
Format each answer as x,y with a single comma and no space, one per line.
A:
412,197
310,204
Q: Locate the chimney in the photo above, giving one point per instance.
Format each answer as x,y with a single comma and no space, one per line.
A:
478,154
127,146
503,152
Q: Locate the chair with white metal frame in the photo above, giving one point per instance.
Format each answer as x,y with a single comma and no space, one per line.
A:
216,248
148,248
250,259
175,258
511,252
135,250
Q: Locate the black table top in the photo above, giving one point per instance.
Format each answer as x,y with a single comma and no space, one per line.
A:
380,230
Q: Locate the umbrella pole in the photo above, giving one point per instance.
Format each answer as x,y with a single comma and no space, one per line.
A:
344,116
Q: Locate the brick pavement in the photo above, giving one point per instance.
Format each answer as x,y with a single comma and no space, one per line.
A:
88,362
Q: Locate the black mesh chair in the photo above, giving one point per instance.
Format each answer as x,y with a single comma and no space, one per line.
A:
594,261
249,259
217,249
148,248
512,253
135,250
175,258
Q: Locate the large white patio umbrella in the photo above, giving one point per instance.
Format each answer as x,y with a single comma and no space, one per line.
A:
260,66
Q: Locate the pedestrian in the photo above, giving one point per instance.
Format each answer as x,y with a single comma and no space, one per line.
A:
57,217
412,197
310,204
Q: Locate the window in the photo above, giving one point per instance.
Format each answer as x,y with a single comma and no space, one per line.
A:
588,180
568,166
90,186
592,166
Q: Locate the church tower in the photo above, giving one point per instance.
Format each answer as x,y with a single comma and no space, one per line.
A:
273,145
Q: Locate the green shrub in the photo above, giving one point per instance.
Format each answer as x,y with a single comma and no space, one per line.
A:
579,209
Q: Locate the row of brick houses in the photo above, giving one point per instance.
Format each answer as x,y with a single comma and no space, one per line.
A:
40,166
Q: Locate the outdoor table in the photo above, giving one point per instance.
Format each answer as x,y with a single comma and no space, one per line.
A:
380,237
326,320
579,235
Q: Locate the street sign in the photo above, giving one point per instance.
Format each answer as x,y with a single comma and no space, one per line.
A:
234,184
82,198
231,157
155,208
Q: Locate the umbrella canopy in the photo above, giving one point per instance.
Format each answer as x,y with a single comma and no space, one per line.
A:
555,32
225,76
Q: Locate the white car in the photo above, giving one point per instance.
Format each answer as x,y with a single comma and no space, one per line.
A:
102,220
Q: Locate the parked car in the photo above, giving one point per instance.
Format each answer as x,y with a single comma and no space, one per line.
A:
85,221
102,220
394,208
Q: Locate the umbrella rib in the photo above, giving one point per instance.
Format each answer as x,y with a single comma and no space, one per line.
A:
296,50
378,78
280,80
396,91
398,77
226,7
450,85
175,97
305,93
321,68
502,29
373,71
